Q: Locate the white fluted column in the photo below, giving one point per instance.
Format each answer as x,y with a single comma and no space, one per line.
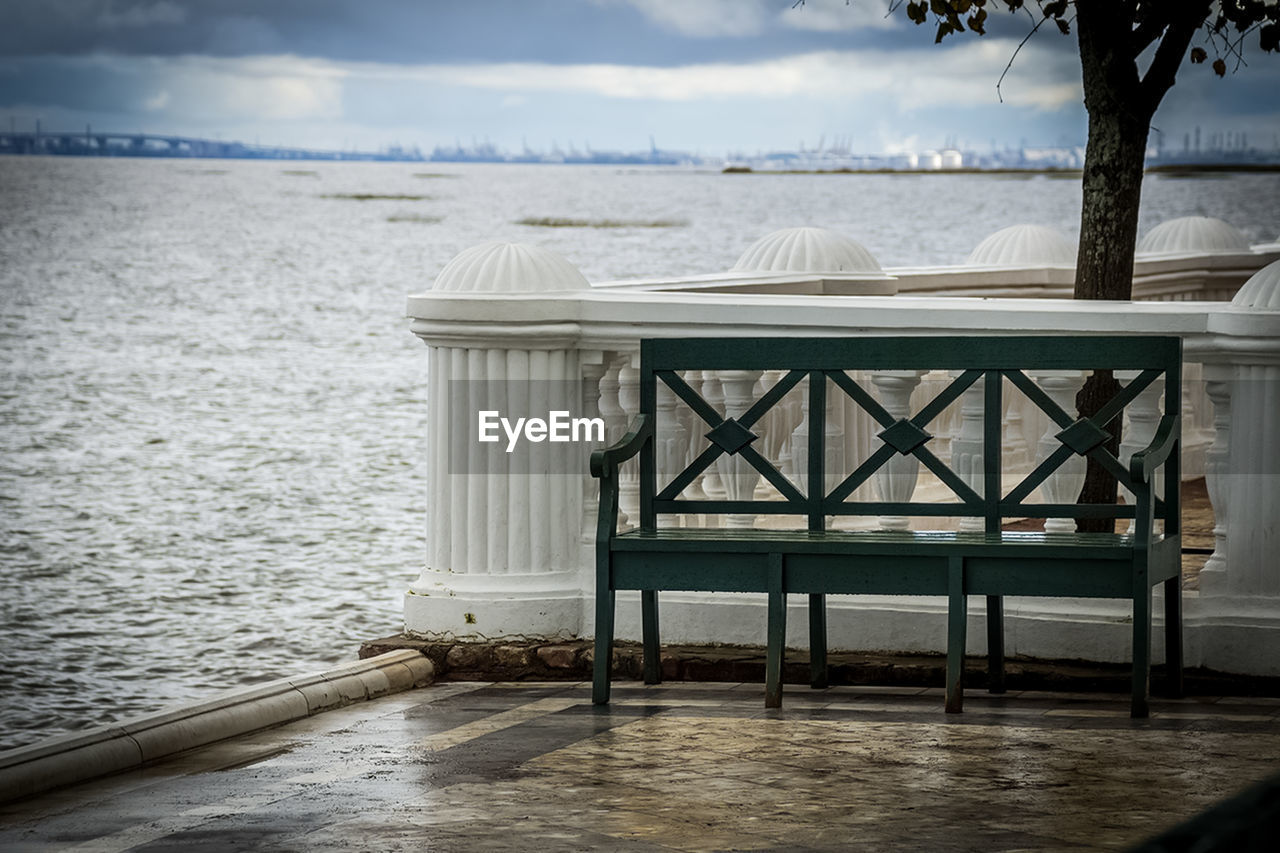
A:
503,529
1244,482
1242,373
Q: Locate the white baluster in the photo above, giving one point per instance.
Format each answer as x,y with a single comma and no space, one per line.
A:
738,475
797,462
713,394
629,472
1015,449
1142,418
615,417
896,479
769,429
1063,485
672,438
967,446
795,414
692,446
1253,479
1216,466
594,369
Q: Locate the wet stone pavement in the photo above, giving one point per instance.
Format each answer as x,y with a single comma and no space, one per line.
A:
679,766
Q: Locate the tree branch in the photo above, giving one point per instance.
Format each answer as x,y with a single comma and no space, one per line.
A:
1148,31
1186,17
1025,39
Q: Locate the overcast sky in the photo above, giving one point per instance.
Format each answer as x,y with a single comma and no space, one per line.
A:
712,76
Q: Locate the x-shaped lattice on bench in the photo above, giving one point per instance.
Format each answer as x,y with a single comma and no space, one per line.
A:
1083,436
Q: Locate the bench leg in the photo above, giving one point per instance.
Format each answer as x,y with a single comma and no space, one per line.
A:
604,646
777,634
995,643
1141,648
649,628
1173,635
957,618
817,641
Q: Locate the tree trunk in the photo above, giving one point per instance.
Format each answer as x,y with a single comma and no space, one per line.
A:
1119,119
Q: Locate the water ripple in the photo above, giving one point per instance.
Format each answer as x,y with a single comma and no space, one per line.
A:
212,409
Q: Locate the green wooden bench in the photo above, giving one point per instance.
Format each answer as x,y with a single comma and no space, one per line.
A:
817,561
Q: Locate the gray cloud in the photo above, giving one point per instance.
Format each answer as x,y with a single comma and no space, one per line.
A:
414,31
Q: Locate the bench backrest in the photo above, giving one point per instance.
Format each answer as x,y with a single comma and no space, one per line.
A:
813,363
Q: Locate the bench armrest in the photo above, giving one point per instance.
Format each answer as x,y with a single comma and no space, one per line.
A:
604,463
1143,465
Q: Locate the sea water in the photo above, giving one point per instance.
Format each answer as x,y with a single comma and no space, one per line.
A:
211,406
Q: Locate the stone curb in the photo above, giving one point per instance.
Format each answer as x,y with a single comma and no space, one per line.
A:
516,659
79,756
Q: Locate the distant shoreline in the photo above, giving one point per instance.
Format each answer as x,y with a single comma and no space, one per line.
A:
1166,169
299,156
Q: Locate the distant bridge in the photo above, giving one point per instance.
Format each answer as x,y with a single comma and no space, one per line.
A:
90,143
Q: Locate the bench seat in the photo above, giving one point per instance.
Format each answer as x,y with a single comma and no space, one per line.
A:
882,562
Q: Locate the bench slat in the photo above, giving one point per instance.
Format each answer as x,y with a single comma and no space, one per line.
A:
923,352
1099,546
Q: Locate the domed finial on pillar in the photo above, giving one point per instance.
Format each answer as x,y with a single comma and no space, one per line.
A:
1193,235
807,250
1262,290
1024,246
509,268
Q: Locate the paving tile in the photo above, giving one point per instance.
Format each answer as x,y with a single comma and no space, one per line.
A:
677,767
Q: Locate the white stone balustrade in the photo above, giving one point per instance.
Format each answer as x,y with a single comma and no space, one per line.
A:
506,555
1243,380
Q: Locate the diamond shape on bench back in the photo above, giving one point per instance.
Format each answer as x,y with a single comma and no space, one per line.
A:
731,436
1083,435
904,436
